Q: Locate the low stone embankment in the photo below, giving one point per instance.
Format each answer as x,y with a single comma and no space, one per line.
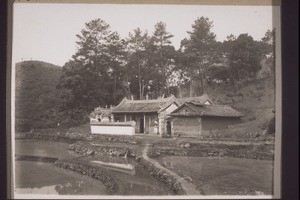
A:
260,152
81,167
115,139
71,137
163,177
85,149
247,138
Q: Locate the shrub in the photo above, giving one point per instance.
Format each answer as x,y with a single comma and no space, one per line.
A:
239,94
164,135
260,87
229,95
252,118
271,127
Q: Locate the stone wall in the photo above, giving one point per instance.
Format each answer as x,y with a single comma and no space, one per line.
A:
115,139
113,128
163,177
87,149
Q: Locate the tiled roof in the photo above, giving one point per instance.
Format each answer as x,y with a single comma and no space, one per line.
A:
143,106
155,105
208,110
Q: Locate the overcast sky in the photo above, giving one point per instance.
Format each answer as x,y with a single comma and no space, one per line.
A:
47,32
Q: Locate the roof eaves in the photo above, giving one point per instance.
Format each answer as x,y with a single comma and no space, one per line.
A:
167,105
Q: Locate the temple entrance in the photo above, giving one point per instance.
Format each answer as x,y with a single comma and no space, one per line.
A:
168,131
141,125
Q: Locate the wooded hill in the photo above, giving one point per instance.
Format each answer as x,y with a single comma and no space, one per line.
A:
38,103
36,97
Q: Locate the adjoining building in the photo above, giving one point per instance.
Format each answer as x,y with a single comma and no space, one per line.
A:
203,99
149,115
193,118
102,122
101,115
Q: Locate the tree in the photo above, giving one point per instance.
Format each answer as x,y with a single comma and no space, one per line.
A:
269,37
138,61
117,62
164,61
228,44
244,58
267,46
199,50
92,77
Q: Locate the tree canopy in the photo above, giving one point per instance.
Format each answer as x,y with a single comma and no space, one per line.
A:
107,68
94,75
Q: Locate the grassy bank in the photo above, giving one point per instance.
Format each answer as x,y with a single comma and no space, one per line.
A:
224,176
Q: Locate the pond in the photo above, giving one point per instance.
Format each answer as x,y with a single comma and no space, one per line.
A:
44,178
42,148
34,173
131,176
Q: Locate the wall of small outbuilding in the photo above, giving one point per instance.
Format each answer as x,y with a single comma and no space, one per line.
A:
186,126
195,126
211,123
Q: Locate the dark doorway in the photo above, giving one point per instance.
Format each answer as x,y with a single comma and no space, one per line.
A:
142,125
168,127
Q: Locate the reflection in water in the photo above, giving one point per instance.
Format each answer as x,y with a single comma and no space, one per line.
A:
117,165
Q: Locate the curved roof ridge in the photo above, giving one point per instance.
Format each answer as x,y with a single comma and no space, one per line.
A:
150,100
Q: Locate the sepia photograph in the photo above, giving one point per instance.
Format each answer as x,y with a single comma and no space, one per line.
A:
128,100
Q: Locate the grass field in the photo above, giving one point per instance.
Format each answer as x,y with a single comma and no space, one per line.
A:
224,176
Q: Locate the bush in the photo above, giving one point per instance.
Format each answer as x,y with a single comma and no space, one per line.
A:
164,135
271,127
252,118
240,94
229,95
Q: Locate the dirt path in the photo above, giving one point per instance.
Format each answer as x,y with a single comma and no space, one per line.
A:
188,187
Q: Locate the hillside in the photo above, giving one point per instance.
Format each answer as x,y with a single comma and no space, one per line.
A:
36,94
255,99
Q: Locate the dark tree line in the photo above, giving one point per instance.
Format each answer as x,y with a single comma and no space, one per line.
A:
106,67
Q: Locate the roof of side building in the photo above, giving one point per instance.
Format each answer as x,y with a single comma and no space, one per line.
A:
207,110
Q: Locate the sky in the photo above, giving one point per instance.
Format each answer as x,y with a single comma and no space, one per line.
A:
47,32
